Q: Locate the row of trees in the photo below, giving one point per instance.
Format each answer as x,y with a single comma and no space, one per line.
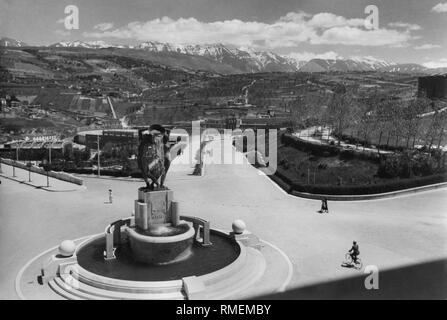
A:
374,118
412,163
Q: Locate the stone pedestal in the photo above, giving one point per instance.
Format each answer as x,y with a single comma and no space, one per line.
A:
159,236
153,208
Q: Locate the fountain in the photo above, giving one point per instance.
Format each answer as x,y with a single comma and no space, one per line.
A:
156,253
159,237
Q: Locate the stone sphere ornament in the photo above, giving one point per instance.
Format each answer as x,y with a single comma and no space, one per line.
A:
67,248
238,226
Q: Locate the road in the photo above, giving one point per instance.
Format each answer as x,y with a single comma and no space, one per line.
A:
391,233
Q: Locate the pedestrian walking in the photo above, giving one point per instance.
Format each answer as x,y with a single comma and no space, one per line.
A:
110,196
324,206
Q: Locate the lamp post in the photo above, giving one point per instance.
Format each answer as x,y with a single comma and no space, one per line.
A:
17,159
99,163
49,151
47,168
29,171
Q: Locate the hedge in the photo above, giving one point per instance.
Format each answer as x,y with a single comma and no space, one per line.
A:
394,185
105,172
317,149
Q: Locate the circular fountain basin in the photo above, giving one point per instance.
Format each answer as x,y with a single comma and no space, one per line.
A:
161,245
204,260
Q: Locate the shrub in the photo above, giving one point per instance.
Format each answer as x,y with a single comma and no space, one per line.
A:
395,185
315,149
347,154
410,163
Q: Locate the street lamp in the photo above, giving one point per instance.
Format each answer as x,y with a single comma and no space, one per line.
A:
99,163
49,151
29,171
17,159
47,168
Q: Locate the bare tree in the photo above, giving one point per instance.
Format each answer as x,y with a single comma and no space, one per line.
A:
411,120
436,128
342,109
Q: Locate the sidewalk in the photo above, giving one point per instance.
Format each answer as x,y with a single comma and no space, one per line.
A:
308,134
38,181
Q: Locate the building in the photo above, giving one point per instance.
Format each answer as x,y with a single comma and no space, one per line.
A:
35,150
433,87
116,137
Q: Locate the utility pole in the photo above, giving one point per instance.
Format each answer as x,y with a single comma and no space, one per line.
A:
99,164
47,168
17,159
29,171
49,154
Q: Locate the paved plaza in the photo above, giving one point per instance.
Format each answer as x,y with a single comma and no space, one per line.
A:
392,233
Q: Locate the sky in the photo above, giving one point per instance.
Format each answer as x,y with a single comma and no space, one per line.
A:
407,31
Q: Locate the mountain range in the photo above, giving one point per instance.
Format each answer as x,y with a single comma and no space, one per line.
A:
9,42
236,60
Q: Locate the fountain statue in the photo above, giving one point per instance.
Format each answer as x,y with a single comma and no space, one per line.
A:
154,155
158,236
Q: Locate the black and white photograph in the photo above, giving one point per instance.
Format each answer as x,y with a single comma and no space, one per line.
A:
232,152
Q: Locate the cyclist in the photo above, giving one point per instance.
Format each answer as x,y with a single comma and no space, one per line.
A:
354,252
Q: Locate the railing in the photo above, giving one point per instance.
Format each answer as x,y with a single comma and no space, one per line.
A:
57,175
113,236
199,224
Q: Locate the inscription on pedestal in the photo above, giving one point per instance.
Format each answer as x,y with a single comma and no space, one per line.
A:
153,208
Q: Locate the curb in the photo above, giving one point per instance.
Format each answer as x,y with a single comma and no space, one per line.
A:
108,177
315,196
375,196
39,187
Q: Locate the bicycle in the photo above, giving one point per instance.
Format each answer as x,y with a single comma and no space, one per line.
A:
357,265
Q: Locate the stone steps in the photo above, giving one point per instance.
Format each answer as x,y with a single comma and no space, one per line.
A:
112,294
75,286
251,271
164,287
68,292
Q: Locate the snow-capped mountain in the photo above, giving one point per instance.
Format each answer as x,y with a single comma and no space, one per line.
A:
407,68
81,44
249,60
244,60
8,42
372,62
213,50
227,59
348,64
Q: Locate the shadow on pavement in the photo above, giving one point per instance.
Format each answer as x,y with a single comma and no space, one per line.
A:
419,281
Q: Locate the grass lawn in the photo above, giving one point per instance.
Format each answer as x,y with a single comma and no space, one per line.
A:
298,165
